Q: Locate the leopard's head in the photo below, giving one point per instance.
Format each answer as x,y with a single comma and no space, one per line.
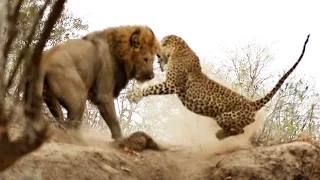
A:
168,45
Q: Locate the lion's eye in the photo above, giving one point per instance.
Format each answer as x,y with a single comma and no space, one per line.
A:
158,55
145,60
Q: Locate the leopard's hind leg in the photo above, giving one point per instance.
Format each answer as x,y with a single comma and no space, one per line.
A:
233,122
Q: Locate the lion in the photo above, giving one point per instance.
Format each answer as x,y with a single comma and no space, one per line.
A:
96,67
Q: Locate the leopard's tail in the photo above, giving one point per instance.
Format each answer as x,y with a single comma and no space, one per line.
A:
261,102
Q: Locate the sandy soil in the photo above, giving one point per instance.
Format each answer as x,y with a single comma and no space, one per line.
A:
92,155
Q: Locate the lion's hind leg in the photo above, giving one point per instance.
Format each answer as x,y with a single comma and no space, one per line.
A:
233,123
71,93
54,106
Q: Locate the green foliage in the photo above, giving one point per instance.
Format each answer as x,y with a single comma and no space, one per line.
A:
67,26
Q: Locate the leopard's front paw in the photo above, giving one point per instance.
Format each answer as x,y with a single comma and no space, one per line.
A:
134,96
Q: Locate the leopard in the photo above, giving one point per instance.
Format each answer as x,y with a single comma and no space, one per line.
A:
201,94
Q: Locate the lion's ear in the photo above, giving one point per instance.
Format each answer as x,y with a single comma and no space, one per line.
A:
93,37
87,38
134,40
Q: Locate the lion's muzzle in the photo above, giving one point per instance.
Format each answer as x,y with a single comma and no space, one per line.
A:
143,76
150,76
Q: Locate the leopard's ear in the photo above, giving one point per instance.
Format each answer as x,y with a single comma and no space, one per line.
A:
134,39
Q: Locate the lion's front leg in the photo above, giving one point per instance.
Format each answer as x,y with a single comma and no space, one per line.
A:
157,89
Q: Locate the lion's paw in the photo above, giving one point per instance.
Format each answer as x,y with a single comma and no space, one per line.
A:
134,96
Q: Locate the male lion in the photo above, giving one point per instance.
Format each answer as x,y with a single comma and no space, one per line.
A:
96,67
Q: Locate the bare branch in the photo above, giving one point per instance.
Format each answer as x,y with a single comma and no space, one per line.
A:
26,47
12,17
36,129
34,95
3,12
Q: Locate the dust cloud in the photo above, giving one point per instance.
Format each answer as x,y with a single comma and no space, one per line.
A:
198,133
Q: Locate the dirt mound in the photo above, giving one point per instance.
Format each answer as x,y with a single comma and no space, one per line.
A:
91,154
107,160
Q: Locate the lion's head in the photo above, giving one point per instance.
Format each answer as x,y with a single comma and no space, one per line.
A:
137,47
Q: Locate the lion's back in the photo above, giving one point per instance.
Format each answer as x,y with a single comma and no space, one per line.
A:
71,51
72,57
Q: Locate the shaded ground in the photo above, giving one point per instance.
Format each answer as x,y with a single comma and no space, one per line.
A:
60,159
